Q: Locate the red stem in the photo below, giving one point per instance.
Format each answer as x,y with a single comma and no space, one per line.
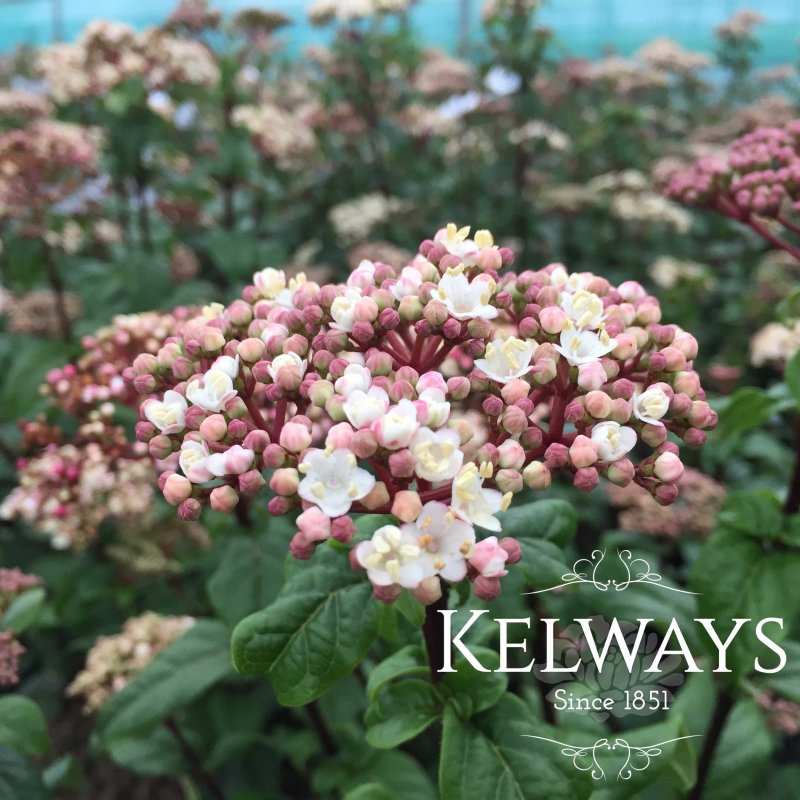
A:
255,414
280,419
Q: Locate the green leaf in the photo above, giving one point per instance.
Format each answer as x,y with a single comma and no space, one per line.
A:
410,608
367,524
409,660
736,577
471,691
247,578
318,629
22,725
553,520
24,611
19,779
370,791
755,512
155,752
542,563
175,678
489,757
743,750
786,682
400,712
792,376
747,408
64,773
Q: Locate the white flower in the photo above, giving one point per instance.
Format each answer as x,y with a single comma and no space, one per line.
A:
363,408
455,240
506,359
583,347
433,409
393,556
228,364
192,461
333,480
355,377
290,360
270,282
363,275
438,454
584,309
502,81
215,391
168,415
465,300
474,503
234,461
651,405
395,429
285,298
343,310
458,105
408,283
273,329
565,281
447,538
612,440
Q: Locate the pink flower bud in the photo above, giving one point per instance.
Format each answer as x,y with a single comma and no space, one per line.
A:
531,437
389,319
457,387
675,359
599,404
314,524
428,591
144,384
177,489
435,313
665,494
387,594
556,455
552,319
486,588
620,472
512,548
668,467
212,340
653,435
401,390
340,436
365,443
478,328
626,347
214,428
238,460
586,479
514,420
511,455
493,406
451,328
514,390
251,350
295,437
700,414
343,529
145,431
583,452
528,328
620,410
285,481
279,506
411,309
575,410
544,370
224,499
189,510
687,383
363,332
623,388
488,258
694,437
402,463
274,456
631,291
240,313
366,310
489,558
591,376
160,447
251,482
378,497
257,441
300,547
238,429
145,364
536,476
508,480
687,344
406,506
648,312
657,362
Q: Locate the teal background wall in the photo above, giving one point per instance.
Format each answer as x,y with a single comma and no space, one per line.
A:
585,27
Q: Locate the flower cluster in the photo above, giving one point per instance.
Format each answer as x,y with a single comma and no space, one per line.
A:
115,660
278,135
39,312
12,583
96,377
107,54
68,490
41,165
775,343
358,399
17,108
323,12
693,514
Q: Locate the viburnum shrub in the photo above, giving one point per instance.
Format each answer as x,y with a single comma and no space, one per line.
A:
431,395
